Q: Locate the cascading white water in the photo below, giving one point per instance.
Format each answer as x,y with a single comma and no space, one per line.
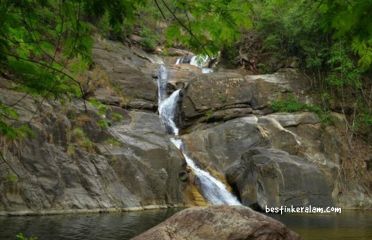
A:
167,111
167,105
162,84
212,189
199,61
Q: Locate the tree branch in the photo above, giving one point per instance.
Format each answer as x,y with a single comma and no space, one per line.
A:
186,28
160,10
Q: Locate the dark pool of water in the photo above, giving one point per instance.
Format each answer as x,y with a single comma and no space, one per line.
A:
349,225
108,226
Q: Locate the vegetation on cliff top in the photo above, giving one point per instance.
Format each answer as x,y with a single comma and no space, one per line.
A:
332,41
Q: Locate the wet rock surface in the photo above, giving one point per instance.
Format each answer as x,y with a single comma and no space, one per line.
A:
219,222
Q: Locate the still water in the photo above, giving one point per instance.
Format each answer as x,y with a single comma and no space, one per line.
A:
108,226
350,225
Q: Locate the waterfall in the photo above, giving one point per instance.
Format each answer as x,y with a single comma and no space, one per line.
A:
167,112
199,61
167,105
162,83
212,189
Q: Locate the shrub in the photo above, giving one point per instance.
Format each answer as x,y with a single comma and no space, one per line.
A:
291,104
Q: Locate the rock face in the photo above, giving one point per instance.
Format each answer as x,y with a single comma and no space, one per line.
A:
130,71
220,222
232,94
274,178
264,163
74,163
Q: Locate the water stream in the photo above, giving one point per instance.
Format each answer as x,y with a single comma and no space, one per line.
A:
212,189
199,61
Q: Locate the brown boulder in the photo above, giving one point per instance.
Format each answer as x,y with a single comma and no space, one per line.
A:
219,222
225,90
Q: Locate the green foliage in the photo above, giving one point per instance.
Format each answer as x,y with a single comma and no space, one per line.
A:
116,117
79,137
332,40
344,71
114,19
363,121
37,38
78,133
366,118
102,108
205,26
71,150
8,124
11,178
291,104
209,114
46,44
288,105
309,29
21,236
149,39
222,97
349,20
113,142
103,123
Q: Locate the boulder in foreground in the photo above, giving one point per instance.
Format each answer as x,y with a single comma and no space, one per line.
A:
219,222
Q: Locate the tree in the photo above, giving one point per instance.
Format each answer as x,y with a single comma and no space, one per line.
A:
332,40
205,26
45,44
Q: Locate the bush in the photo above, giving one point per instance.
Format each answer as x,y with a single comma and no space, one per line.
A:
149,39
291,104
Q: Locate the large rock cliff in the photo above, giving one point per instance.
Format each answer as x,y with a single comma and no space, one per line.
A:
81,158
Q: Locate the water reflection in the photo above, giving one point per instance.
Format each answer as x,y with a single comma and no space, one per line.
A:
83,226
349,225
